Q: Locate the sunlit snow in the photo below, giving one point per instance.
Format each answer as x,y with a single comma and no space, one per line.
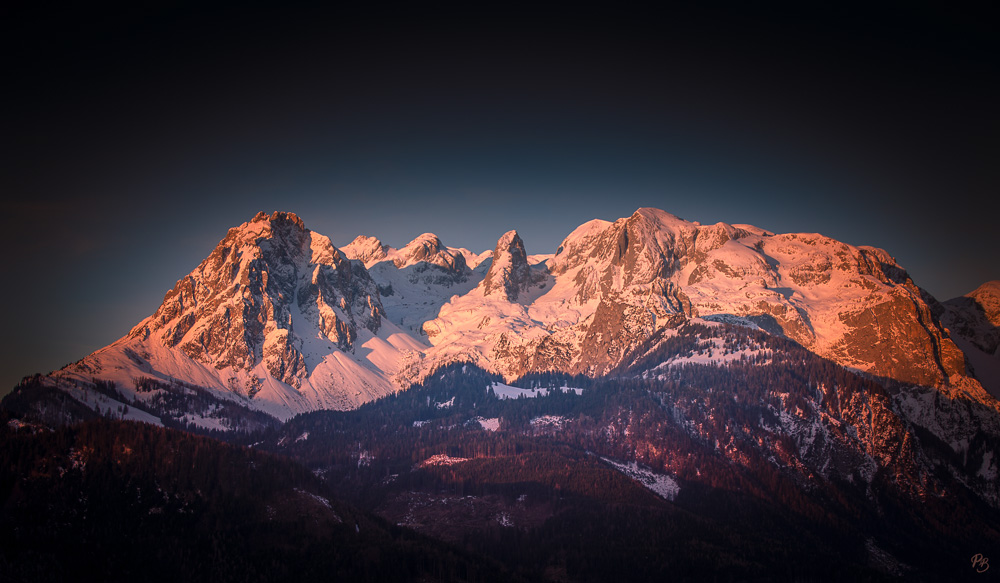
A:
441,460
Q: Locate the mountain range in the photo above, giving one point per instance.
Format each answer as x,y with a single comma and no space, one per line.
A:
754,401
278,320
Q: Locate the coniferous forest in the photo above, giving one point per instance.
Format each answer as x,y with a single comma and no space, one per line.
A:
774,466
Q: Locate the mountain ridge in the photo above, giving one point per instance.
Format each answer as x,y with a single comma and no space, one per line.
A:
283,321
788,386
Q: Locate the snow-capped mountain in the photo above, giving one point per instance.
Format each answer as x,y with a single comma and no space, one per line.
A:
478,325
800,375
275,317
279,320
611,285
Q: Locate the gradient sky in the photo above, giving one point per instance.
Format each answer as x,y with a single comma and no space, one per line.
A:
134,138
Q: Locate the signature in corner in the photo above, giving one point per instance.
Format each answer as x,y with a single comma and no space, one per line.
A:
980,563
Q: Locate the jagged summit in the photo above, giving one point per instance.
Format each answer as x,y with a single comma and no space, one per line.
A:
368,250
280,218
426,248
259,276
275,314
509,273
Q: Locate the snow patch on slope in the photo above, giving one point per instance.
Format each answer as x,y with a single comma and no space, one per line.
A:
492,424
662,485
503,391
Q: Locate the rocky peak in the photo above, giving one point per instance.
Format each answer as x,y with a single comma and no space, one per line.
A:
283,233
423,246
237,308
429,249
280,219
640,252
644,246
987,296
509,273
368,250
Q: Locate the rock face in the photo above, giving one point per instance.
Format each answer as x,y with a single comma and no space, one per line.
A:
855,305
275,315
974,322
976,317
239,307
631,256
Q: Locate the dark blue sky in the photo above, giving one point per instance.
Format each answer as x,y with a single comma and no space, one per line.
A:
135,138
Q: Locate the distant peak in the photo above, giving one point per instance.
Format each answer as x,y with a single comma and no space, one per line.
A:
428,248
988,288
368,250
365,240
987,296
428,240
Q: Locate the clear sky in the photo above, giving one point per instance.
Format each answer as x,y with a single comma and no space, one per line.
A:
135,137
